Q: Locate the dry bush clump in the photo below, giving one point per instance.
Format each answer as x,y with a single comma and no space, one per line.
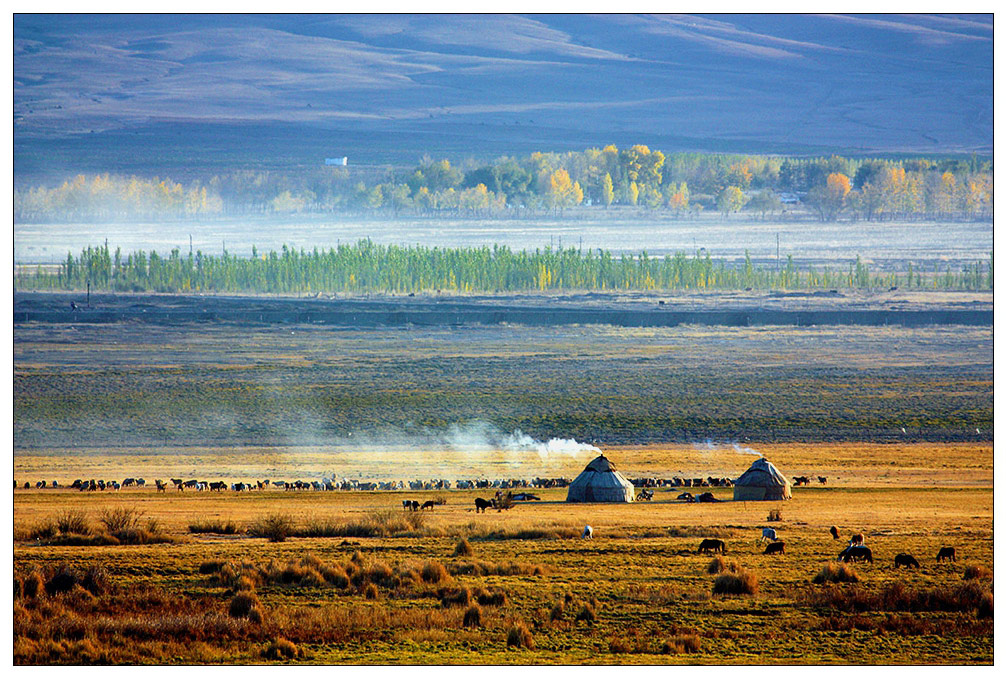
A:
463,549
836,572
977,572
518,636
489,598
281,648
370,591
721,564
73,522
120,519
681,644
275,527
739,582
896,597
434,572
211,566
214,527
587,614
473,617
985,606
557,612
242,604
455,597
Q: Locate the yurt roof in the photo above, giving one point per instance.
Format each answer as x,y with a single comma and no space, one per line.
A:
600,464
762,472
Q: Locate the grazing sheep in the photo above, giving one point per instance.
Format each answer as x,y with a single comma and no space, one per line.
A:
588,532
947,553
768,533
775,547
712,546
906,560
834,532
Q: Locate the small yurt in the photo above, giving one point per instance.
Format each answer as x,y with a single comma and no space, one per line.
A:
600,482
762,482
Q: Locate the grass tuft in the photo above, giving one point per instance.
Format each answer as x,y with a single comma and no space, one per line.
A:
836,572
739,582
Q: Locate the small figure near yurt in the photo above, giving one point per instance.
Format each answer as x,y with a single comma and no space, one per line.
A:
600,482
762,482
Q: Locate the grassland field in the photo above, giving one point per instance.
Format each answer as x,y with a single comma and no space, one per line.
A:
137,576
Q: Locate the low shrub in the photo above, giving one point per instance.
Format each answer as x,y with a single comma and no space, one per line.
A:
490,598
557,612
738,582
721,564
281,648
836,572
211,566
681,644
73,522
33,584
587,614
120,519
461,597
463,549
473,617
242,604
896,597
985,606
434,572
214,527
276,527
977,572
370,591
518,636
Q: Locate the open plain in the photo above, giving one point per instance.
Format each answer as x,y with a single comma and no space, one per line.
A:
898,419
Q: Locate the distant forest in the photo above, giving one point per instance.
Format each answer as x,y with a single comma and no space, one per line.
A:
637,178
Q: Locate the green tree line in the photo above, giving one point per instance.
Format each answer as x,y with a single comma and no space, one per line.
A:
369,267
676,183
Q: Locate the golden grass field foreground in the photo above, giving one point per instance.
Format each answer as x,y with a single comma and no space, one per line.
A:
448,585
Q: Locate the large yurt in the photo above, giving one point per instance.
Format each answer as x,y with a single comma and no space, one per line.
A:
600,482
762,482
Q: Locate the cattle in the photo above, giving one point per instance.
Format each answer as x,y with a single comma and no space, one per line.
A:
129,482
800,480
161,485
427,505
906,560
192,484
218,486
588,532
410,505
526,496
179,484
852,553
706,498
857,540
40,485
775,547
834,532
687,496
768,533
238,487
27,485
823,480
55,484
115,485
645,495
76,484
947,553
140,482
712,546
482,504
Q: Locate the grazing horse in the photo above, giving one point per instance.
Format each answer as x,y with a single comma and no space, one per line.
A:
906,560
482,504
712,546
834,532
852,553
947,553
775,547
768,533
588,532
